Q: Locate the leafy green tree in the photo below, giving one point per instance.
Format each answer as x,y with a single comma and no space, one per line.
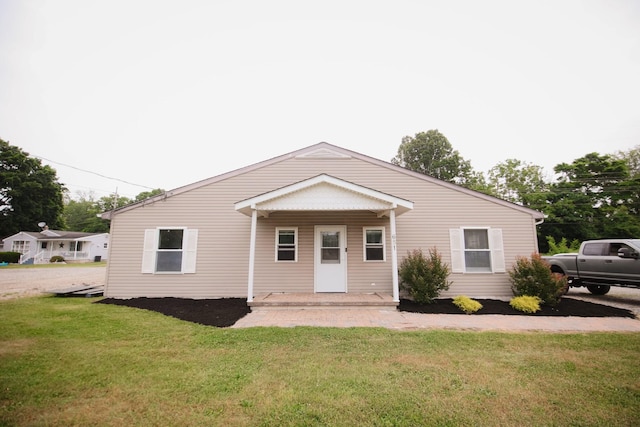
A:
82,214
431,153
147,194
29,192
595,197
632,158
518,182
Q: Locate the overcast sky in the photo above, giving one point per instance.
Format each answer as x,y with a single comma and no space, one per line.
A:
166,93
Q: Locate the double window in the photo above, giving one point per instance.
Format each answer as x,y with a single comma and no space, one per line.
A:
373,243
170,250
287,244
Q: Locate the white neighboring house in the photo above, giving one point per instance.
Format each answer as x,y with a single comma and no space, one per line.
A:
73,246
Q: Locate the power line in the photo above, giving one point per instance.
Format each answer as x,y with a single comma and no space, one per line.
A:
94,173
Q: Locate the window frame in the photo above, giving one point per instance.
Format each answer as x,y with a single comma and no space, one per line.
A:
487,250
366,245
294,245
151,248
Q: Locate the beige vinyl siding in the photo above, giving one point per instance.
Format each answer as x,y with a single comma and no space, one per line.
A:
223,233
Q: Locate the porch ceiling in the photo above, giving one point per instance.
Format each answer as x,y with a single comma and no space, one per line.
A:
324,193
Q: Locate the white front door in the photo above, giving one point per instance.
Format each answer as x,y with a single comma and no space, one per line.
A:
330,258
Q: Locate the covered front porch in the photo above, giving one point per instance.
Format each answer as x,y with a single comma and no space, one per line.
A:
301,300
318,209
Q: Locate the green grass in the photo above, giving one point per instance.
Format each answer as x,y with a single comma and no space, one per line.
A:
66,362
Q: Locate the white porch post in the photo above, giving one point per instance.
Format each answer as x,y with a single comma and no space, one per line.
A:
394,256
252,252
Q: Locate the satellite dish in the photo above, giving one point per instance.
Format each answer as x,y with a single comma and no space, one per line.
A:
42,224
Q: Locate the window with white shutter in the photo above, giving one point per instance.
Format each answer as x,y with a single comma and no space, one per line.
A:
170,250
476,250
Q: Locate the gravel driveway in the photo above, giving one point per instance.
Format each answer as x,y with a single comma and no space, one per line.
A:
18,282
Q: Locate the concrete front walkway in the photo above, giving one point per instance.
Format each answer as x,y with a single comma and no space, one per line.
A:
397,320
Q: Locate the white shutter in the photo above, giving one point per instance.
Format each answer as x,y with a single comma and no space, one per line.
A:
457,254
149,250
497,250
190,251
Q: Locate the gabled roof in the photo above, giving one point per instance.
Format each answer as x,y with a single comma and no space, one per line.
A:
328,151
326,193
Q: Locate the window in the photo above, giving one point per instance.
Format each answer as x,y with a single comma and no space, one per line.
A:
287,244
596,249
477,250
43,245
170,250
477,256
169,257
373,241
21,246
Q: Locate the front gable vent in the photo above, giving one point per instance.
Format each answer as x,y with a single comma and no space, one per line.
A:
323,153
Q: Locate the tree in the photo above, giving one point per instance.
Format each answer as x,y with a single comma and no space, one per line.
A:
632,158
29,192
595,197
431,153
518,182
147,194
82,214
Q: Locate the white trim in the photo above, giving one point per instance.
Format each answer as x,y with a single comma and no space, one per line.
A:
394,257
383,243
252,254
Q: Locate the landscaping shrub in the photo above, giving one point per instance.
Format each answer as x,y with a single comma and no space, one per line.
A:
56,258
424,277
526,303
10,257
533,277
467,304
563,246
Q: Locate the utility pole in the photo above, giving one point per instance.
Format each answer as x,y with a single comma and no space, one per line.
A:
115,199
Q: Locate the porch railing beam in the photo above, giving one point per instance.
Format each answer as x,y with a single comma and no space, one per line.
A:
252,253
394,256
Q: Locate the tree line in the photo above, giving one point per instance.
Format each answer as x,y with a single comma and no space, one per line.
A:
595,196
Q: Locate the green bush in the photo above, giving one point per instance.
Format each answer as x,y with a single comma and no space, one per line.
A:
526,303
424,277
10,257
563,246
56,258
533,277
467,304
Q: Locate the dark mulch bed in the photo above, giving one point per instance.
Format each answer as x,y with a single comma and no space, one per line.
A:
211,312
227,311
566,307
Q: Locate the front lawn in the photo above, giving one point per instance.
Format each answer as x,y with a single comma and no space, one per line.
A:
66,361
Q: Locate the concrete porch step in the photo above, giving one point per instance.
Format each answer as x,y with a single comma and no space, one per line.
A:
323,300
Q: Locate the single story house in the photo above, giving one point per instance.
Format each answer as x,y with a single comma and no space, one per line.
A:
322,219
73,246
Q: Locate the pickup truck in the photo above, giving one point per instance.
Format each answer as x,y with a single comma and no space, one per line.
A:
600,264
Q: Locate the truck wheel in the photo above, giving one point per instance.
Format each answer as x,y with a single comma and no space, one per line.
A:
598,289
